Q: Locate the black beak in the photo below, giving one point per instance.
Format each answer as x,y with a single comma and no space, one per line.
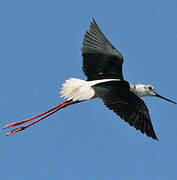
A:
157,95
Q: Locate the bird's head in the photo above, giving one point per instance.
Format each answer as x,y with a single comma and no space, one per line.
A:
148,90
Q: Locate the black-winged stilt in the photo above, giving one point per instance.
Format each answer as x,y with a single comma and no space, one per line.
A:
102,64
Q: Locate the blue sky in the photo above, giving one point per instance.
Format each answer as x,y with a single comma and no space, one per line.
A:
40,44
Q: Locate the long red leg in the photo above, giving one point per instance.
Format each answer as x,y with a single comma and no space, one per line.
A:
48,113
34,117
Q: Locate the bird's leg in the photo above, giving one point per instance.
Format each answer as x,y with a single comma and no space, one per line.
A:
48,113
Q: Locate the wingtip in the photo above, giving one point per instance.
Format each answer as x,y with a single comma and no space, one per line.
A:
156,139
93,20
153,136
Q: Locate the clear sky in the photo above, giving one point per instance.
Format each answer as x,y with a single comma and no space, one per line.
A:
40,42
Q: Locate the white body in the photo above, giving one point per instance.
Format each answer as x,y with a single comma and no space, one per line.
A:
81,90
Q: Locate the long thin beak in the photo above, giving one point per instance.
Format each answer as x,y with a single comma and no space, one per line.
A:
157,95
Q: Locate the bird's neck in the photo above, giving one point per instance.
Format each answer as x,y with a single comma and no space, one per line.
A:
140,92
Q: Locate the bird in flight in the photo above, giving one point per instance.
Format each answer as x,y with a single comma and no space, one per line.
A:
102,64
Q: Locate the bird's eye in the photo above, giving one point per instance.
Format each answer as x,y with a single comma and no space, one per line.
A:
150,88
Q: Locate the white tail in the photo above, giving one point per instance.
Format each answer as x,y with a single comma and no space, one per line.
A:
80,90
77,90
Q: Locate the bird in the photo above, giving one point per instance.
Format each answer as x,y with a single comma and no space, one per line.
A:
102,65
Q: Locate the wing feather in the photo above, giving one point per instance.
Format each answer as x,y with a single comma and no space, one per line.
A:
101,60
117,96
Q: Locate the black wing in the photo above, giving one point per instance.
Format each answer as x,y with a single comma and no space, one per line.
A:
101,60
117,96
